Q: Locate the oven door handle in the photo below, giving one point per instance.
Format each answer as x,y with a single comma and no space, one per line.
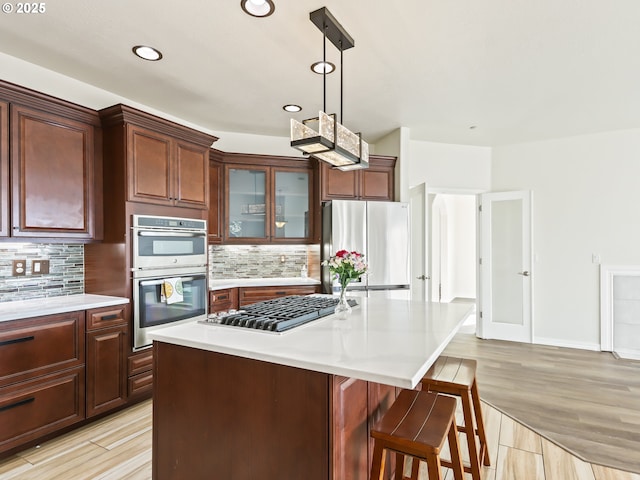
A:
146,233
144,283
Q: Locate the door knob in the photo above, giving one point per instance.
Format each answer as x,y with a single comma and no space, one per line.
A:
423,277
524,274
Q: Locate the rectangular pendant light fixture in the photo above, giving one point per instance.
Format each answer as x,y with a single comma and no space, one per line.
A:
324,137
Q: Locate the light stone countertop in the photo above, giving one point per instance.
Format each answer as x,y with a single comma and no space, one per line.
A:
51,305
393,342
260,282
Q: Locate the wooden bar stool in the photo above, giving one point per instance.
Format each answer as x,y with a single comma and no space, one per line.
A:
457,376
417,425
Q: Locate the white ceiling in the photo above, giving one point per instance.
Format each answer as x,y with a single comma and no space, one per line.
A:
517,70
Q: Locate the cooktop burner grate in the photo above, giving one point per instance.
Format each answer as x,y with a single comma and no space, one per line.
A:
279,314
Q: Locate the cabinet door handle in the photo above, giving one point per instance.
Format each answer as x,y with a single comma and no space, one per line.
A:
17,404
113,316
281,293
223,297
17,340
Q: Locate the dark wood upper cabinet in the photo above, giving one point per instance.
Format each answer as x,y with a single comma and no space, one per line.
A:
214,224
162,163
373,183
269,199
149,166
191,166
53,161
4,169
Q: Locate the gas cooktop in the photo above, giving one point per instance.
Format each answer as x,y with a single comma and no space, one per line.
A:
279,314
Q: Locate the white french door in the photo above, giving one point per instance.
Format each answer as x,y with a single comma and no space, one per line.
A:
505,269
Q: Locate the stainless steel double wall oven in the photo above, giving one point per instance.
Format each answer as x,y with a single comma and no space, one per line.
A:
167,249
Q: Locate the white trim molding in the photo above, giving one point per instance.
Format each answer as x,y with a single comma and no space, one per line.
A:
607,272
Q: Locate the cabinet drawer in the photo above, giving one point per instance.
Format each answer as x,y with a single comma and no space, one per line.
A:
249,295
106,317
222,300
141,384
36,407
140,362
38,346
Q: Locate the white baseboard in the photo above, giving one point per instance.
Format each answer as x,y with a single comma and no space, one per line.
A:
554,342
628,354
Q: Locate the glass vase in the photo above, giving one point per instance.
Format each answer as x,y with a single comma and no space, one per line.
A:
343,309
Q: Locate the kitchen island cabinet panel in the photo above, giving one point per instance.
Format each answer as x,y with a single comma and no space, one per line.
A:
211,380
52,171
256,419
350,429
272,420
4,169
31,409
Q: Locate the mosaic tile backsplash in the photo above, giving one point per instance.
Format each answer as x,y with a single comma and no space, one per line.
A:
66,266
65,277
264,261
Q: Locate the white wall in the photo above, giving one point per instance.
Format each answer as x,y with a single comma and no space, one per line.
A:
586,200
462,223
449,168
453,263
397,144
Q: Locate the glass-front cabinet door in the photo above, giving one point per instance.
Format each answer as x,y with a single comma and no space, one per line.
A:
268,204
291,214
247,203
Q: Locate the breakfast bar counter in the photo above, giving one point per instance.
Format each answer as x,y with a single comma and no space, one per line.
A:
244,404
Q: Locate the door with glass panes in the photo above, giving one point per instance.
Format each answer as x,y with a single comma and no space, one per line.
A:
265,204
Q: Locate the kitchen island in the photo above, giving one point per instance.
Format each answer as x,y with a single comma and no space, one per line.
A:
241,404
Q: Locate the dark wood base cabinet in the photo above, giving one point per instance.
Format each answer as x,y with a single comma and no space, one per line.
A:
140,373
31,409
245,419
106,345
42,377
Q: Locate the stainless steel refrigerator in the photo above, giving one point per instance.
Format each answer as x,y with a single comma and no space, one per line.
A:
380,230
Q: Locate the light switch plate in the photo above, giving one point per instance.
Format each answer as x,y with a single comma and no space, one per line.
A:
19,268
40,267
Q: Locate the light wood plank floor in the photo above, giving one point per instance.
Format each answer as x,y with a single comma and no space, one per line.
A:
118,447
587,402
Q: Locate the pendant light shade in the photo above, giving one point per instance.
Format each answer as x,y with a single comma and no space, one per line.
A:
327,140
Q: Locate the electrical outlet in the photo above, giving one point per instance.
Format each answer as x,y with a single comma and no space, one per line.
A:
40,267
19,268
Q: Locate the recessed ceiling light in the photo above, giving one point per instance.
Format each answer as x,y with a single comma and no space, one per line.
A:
258,8
147,53
323,67
292,108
